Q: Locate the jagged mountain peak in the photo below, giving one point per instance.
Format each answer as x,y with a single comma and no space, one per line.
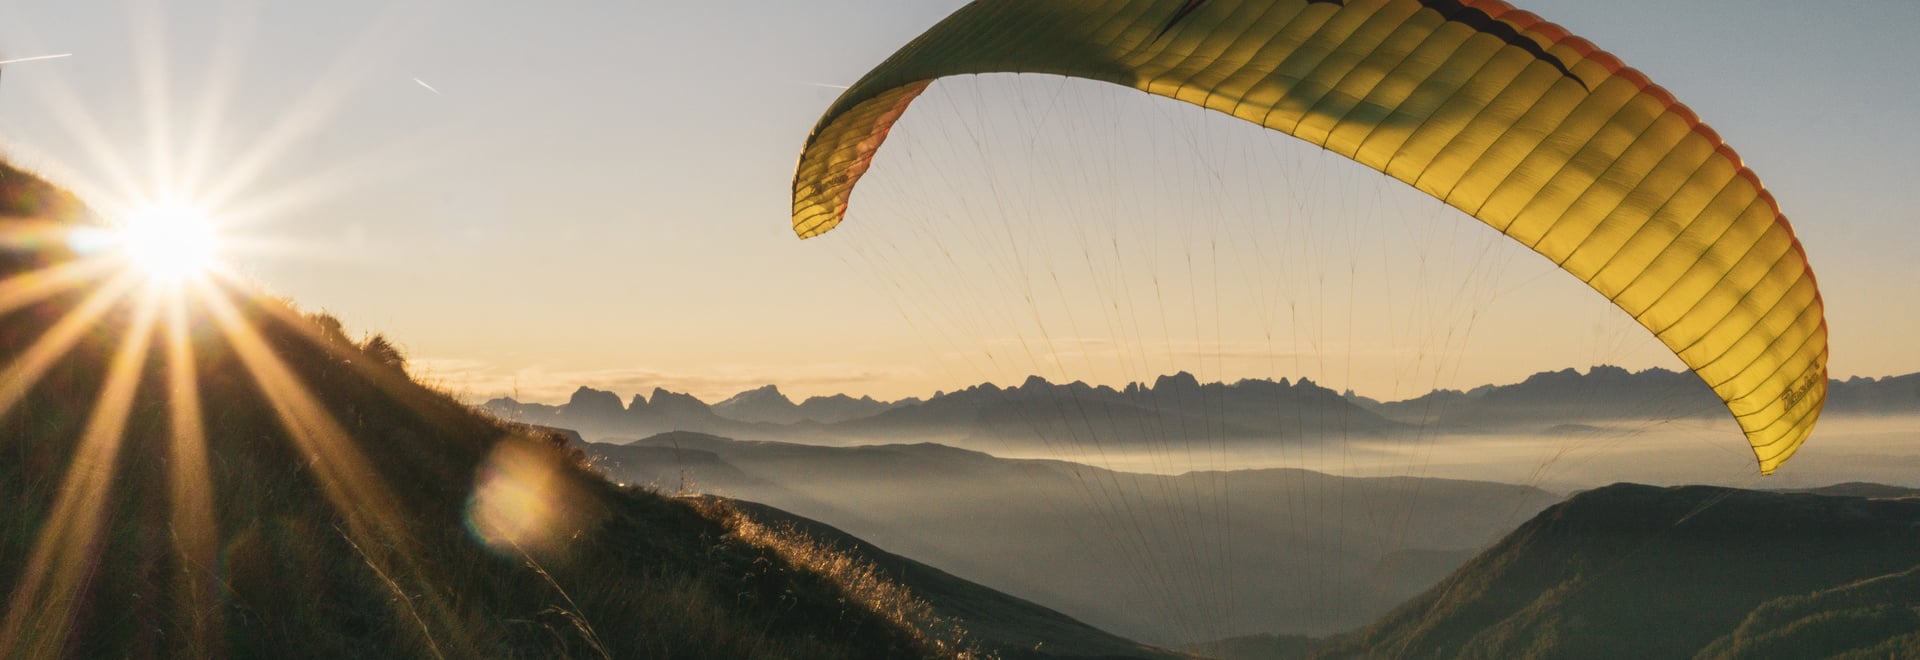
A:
589,402
764,394
1181,380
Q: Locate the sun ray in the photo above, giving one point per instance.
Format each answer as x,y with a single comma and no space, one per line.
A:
390,160
309,113
26,369
54,578
229,50
190,486
78,121
348,480
149,40
33,286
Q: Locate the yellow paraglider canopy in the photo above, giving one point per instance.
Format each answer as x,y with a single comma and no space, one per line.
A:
1490,109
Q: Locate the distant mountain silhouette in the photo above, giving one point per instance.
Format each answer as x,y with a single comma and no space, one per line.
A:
1875,396
1174,408
1179,407
765,404
599,414
1562,397
1303,551
840,407
768,405
1631,571
1560,400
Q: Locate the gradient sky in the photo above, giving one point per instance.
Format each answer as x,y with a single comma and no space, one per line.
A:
534,196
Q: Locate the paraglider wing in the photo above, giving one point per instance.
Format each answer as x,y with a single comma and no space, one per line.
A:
1527,128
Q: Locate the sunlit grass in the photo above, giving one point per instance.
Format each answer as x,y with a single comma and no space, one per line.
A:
860,580
36,285
151,272
29,365
42,606
351,484
196,535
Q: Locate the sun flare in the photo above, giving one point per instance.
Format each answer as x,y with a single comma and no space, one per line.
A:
170,242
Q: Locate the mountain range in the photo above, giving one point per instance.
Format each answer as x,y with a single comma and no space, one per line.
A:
1176,407
768,405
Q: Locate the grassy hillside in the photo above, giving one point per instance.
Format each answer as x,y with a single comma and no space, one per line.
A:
1638,571
1001,624
214,474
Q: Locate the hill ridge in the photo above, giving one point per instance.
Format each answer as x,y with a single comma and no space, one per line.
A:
1641,571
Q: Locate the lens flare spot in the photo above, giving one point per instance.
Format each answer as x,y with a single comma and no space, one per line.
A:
522,501
89,241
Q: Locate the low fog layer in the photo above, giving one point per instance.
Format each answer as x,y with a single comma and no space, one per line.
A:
1162,559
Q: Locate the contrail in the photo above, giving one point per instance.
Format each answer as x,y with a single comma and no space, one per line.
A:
18,60
430,88
826,85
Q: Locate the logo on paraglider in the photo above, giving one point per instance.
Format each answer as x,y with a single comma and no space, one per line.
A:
1799,391
1452,10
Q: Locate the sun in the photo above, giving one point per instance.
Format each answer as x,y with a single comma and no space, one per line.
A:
170,242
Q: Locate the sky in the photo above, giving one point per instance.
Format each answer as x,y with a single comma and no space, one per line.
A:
531,197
